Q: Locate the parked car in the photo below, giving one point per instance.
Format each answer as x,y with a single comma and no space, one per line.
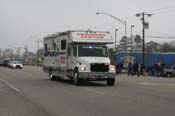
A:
15,64
1,62
5,63
169,71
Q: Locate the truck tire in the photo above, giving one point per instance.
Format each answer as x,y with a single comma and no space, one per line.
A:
76,78
110,82
51,76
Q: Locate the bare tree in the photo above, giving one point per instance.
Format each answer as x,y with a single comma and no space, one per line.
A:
167,48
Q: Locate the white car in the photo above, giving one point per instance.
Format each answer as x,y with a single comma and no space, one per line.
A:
15,64
169,71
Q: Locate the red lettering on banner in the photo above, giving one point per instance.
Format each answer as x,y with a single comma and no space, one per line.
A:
91,35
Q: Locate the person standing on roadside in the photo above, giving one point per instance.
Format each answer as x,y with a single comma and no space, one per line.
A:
141,69
136,69
129,69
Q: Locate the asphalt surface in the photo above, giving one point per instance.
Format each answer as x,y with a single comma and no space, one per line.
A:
29,92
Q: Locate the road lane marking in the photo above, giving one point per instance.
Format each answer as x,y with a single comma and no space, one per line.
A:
95,91
168,84
10,85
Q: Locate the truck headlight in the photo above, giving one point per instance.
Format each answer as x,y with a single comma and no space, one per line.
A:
113,68
82,68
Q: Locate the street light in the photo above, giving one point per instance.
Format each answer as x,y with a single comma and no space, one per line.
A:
118,19
132,26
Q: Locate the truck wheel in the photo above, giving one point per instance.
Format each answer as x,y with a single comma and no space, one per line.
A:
51,76
110,82
76,79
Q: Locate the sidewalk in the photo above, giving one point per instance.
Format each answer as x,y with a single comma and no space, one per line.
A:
143,79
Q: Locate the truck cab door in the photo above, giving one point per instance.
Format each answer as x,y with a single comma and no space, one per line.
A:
69,58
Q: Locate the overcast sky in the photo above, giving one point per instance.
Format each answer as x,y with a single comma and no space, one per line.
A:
23,21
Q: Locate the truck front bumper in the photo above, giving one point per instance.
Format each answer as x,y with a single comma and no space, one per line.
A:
96,76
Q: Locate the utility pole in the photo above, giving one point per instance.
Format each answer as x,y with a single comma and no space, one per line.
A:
26,49
116,39
0,53
125,23
37,60
145,26
37,41
132,26
143,36
115,48
18,51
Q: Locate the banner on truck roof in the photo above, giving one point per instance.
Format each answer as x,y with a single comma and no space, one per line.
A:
91,37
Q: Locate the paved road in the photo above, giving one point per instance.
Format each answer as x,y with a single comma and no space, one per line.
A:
30,92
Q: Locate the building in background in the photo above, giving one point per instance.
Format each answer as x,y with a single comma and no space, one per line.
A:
8,53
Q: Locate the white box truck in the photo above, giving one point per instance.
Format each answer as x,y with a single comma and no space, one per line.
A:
79,55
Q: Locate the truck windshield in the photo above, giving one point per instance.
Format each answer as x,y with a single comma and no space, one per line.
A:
90,50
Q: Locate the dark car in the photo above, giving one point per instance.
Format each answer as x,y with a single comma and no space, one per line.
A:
5,63
1,62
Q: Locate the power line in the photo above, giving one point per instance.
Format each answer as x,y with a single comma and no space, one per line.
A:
161,37
154,10
162,34
99,25
162,12
160,9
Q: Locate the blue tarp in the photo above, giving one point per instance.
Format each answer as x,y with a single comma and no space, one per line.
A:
150,58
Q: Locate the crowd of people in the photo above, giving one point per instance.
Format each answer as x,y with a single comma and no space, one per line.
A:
134,68
156,70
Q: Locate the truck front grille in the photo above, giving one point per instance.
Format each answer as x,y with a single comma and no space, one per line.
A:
99,67
18,66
